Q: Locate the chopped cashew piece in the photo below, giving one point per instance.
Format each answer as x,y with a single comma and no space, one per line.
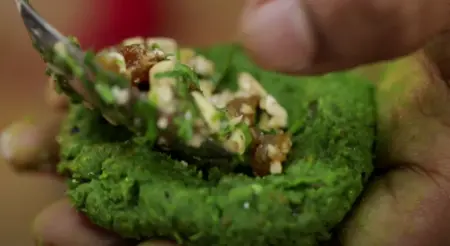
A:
163,97
246,109
264,122
221,100
274,109
161,92
133,41
196,141
277,122
208,111
167,45
236,142
186,55
276,167
248,84
141,60
236,120
207,87
202,66
162,67
159,54
122,96
272,151
162,123
112,61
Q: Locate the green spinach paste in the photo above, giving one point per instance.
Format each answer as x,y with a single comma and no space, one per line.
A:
127,187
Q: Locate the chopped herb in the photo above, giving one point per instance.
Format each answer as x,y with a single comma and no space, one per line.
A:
178,55
294,128
248,135
147,112
188,74
183,90
89,61
105,93
155,46
185,127
183,73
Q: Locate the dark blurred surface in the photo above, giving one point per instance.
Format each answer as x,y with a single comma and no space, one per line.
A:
200,22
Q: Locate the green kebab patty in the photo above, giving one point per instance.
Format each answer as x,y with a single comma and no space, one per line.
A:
129,188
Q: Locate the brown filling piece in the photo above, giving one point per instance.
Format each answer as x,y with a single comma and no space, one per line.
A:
245,106
267,149
138,61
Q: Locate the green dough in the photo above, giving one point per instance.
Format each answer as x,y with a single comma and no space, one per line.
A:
126,187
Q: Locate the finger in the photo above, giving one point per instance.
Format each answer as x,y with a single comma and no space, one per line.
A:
438,50
31,146
409,205
61,225
57,101
315,36
405,207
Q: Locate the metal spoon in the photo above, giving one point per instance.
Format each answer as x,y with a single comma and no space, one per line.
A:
53,46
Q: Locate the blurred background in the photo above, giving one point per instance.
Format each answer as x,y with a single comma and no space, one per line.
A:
96,23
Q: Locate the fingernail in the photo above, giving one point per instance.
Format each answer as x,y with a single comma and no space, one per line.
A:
278,34
8,140
21,147
5,146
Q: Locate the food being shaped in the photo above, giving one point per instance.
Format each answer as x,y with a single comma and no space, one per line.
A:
307,144
204,147
188,103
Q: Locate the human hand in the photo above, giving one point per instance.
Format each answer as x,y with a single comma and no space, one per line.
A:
410,196
315,36
407,204
408,201
31,147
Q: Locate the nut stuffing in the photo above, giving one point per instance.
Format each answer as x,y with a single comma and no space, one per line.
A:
248,122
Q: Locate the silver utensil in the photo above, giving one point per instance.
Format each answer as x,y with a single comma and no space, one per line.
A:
65,59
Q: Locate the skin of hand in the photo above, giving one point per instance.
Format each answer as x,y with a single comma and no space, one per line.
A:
408,200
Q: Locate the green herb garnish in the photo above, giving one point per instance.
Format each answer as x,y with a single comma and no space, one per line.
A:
105,93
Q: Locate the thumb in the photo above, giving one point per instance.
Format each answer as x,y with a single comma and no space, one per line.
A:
317,36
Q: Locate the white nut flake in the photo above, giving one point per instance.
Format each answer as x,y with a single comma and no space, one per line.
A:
167,45
208,111
122,96
134,41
